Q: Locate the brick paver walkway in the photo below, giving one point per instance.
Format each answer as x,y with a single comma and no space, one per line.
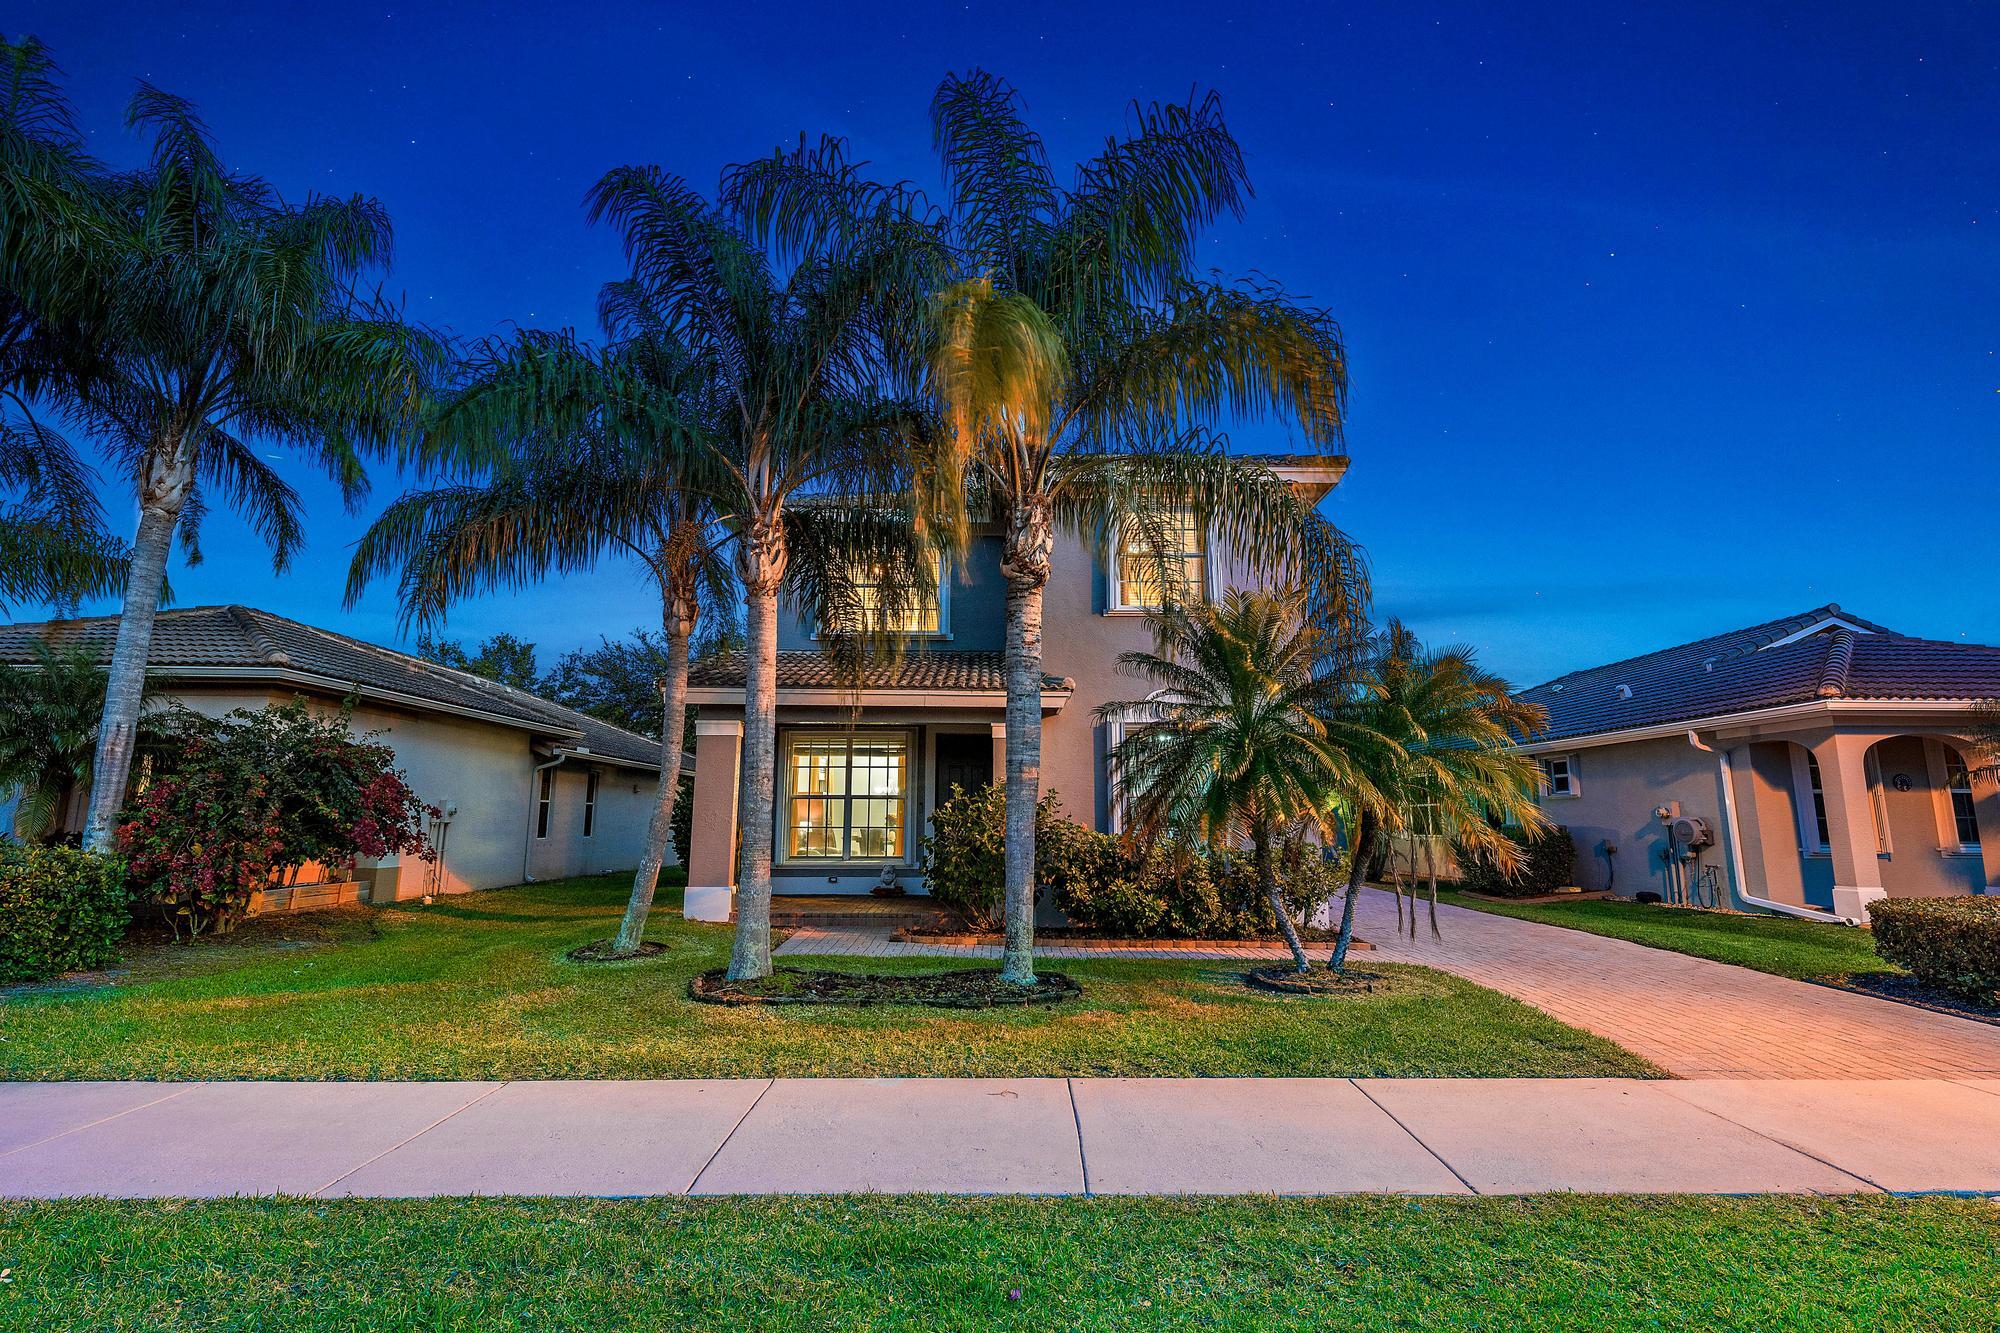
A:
1690,1016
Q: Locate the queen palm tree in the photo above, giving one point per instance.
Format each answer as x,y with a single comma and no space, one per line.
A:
231,314
1083,367
53,223
1431,749
802,402
1241,739
594,455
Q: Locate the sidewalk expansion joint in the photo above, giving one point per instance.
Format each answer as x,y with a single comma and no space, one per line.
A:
1076,1114
1667,1088
406,1141
769,1083
1355,1083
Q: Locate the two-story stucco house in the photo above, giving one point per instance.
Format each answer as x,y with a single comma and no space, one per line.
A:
1807,765
860,770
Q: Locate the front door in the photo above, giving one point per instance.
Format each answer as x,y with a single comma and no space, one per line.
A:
963,760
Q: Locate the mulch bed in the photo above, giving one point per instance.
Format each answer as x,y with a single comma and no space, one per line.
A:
1287,980
600,951
1069,935
1908,990
980,988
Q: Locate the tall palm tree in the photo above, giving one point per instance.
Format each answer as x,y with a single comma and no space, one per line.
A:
595,453
1431,749
1084,369
229,315
1241,739
49,713
803,401
53,224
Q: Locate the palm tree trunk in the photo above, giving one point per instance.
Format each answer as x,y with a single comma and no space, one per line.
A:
1030,540
165,492
1364,843
678,622
761,562
1267,880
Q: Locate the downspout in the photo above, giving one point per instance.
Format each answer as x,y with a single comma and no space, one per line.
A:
528,828
1725,773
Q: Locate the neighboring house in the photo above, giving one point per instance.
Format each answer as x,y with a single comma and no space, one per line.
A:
861,767
530,789
1824,756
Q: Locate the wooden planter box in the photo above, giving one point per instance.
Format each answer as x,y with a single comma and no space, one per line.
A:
307,897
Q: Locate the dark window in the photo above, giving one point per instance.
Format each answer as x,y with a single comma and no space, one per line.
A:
1818,801
589,803
542,799
1959,781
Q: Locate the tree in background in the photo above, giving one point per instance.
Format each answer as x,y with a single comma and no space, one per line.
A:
621,680
1083,367
500,657
229,314
1430,746
54,221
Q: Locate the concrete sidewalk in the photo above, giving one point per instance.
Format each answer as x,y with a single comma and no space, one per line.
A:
999,1136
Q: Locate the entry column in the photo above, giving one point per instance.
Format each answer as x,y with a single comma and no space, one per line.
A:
1000,754
1850,823
711,859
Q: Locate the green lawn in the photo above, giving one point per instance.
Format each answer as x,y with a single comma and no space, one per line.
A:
925,1263
476,987
1782,945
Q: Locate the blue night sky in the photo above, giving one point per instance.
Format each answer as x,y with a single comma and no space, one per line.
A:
1662,319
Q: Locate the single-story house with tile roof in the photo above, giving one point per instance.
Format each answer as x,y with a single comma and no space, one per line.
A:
530,789
1808,765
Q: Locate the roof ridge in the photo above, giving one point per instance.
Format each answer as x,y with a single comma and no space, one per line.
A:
1839,659
246,620
1777,627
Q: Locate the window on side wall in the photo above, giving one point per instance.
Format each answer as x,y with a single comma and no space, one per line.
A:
1823,837
1137,563
846,797
1559,775
1958,782
590,803
544,798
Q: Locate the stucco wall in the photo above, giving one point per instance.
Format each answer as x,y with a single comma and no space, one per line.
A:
484,770
1619,787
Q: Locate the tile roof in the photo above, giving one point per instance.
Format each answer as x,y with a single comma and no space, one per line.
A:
923,669
1841,656
220,641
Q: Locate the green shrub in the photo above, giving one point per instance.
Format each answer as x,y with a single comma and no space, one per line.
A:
1548,863
1160,888
61,910
1951,943
1308,880
965,854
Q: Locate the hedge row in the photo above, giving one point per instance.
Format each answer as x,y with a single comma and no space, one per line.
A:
61,910
1951,943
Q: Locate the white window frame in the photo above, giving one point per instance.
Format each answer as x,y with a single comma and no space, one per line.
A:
545,799
590,785
1114,581
943,631
912,783
1810,802
1115,728
1942,755
1572,783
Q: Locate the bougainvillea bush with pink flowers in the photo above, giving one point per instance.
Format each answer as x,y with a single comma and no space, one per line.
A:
234,803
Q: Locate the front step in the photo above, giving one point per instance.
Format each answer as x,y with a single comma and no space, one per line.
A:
837,910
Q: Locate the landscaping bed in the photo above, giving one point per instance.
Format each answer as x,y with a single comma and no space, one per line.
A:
1288,980
604,951
977,988
1097,939
1906,989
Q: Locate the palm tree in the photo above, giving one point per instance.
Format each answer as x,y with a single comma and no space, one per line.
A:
1084,369
231,314
49,712
53,220
593,457
791,396
1240,738
1431,749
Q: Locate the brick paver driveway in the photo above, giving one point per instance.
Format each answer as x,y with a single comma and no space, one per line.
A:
1690,1016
